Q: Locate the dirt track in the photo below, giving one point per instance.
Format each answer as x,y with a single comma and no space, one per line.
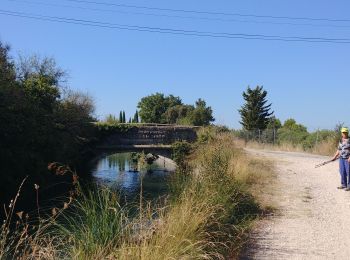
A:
312,220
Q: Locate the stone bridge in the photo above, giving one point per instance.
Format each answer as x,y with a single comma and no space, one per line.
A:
150,138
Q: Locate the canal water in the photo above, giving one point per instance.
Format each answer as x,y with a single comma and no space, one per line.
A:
123,174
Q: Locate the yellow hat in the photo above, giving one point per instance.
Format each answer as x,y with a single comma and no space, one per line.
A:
345,130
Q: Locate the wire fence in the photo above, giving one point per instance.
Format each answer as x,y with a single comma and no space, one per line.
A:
320,141
269,136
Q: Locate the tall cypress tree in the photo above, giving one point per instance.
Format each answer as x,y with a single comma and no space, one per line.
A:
255,113
136,117
124,120
120,117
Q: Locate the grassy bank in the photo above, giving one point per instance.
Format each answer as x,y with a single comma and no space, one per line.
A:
214,198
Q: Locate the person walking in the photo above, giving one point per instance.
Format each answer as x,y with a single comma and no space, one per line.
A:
343,153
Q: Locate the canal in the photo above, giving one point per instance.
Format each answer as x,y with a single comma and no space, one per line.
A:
124,173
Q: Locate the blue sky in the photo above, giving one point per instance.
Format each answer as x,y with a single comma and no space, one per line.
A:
306,81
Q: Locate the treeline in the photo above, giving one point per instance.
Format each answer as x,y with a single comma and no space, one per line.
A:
158,108
41,120
260,124
161,109
292,134
112,119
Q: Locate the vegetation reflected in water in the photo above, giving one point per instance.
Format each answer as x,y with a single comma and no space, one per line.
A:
122,172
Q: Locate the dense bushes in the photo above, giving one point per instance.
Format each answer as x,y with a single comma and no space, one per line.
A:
297,135
158,108
294,136
41,121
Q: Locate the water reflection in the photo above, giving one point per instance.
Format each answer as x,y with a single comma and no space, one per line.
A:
123,172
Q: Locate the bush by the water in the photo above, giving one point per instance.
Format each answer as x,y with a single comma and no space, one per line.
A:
41,120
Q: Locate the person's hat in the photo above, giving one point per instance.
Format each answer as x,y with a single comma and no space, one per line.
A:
345,130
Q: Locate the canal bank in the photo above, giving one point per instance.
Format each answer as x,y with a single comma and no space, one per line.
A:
206,214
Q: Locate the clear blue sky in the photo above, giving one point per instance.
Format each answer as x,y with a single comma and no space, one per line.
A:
306,81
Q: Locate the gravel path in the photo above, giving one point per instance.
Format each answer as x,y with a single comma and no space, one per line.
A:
312,220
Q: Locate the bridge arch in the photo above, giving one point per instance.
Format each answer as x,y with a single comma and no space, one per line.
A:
148,138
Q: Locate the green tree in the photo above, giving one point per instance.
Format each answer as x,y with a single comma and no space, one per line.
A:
153,107
121,116
7,67
291,124
41,121
292,132
111,119
124,118
201,115
136,117
255,113
177,114
274,123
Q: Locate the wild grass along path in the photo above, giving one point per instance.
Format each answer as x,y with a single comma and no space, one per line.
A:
312,218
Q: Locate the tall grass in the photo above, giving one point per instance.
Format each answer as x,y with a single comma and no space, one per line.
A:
21,239
207,214
210,216
94,225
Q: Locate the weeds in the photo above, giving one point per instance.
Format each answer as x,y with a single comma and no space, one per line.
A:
206,215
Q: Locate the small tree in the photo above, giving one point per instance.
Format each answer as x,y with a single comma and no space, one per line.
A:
292,132
124,120
274,123
202,115
120,117
153,107
255,113
136,117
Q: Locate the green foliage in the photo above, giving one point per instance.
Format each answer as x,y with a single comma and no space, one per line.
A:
292,133
207,216
291,124
174,115
179,151
124,118
120,117
207,134
111,119
274,123
40,122
7,67
296,134
201,115
255,113
318,137
105,128
158,108
96,226
153,107
136,117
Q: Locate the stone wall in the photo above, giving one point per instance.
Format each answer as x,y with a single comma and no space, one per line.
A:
151,135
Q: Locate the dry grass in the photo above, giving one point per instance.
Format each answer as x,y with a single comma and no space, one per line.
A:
326,147
280,147
207,216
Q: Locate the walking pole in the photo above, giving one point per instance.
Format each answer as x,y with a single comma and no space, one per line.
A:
324,163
